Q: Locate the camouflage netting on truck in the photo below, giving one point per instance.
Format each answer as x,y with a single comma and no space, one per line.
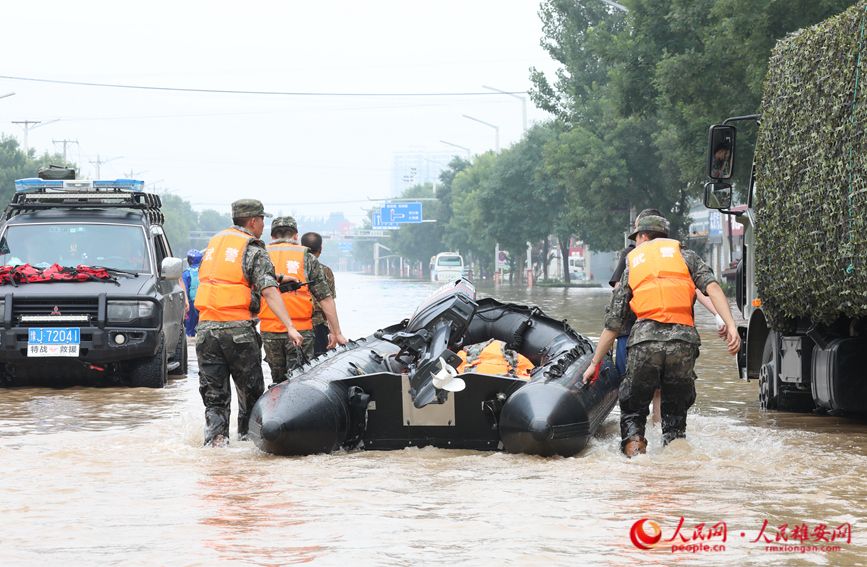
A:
810,173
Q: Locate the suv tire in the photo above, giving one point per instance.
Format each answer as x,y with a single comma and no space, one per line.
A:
180,356
150,372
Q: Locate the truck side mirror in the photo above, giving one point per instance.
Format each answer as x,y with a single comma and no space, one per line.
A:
171,268
717,195
721,152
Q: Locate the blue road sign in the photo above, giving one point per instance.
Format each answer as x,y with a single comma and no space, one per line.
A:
345,245
402,213
379,224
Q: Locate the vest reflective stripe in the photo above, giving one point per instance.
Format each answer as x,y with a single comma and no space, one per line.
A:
288,259
224,292
662,288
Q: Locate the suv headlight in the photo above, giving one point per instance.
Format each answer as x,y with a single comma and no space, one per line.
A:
141,313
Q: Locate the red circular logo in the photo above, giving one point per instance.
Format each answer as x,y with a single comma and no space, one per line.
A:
645,533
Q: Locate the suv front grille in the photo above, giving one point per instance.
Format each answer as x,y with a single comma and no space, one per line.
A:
42,312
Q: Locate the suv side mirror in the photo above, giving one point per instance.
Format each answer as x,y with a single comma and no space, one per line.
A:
717,195
171,268
721,152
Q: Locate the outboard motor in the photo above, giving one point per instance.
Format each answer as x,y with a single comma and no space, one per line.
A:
437,326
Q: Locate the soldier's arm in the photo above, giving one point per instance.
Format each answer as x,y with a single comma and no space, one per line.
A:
329,276
329,309
316,277
606,341
705,282
617,312
618,308
319,289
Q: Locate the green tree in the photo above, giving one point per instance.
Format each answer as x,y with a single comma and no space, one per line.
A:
643,87
213,221
180,219
465,230
14,164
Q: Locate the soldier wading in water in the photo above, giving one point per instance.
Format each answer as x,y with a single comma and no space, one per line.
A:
235,274
294,262
658,286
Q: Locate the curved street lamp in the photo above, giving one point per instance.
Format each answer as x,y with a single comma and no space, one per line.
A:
489,125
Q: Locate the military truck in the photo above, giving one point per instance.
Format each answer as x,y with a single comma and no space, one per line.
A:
802,280
90,292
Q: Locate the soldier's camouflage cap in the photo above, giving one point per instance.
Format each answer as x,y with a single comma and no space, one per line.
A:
650,223
245,208
284,222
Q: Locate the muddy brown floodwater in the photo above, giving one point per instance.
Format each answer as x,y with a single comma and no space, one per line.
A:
96,476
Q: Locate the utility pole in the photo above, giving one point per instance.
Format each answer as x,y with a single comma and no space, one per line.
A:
65,143
99,161
132,174
26,124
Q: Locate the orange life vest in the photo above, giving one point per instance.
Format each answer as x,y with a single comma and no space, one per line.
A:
224,292
288,259
492,360
662,288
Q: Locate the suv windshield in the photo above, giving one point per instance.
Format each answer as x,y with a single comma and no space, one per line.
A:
40,245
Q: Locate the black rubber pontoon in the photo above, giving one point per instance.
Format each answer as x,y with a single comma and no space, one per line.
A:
392,390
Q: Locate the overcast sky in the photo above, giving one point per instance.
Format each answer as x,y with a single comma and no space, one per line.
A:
302,154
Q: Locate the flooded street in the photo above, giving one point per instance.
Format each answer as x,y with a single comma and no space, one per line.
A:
118,476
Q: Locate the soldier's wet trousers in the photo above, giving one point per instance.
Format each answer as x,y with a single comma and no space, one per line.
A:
283,356
668,365
221,353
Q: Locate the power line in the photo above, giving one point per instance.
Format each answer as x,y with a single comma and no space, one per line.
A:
245,92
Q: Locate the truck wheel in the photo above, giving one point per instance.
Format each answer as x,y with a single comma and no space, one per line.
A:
768,375
180,356
773,393
150,372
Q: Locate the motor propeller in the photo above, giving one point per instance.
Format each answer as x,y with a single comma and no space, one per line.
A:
446,378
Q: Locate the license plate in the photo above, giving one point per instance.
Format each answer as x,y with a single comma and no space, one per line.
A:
53,341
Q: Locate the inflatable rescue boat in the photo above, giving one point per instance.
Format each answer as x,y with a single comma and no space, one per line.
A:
400,388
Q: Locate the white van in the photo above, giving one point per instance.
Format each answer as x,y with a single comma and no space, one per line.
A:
446,266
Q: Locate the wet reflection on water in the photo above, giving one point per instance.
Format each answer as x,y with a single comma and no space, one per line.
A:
99,476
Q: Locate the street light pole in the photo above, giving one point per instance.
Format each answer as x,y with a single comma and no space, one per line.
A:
523,100
457,146
489,125
620,7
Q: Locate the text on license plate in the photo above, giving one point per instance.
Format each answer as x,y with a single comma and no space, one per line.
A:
53,341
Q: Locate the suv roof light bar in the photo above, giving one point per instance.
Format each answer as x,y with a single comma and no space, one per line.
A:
36,185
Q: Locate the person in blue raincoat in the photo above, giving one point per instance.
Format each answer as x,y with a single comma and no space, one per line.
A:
191,283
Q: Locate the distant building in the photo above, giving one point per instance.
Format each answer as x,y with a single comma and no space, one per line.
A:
417,168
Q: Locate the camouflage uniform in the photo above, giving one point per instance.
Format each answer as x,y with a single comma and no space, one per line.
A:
661,355
280,354
320,325
233,348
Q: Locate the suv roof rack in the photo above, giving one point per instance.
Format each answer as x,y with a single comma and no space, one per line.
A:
35,194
